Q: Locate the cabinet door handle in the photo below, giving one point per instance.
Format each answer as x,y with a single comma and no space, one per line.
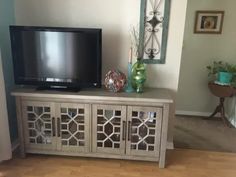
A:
124,131
129,130
53,127
58,127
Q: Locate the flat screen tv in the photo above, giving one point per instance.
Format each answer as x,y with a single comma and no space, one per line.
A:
56,57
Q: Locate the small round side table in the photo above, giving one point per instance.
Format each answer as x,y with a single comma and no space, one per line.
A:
222,92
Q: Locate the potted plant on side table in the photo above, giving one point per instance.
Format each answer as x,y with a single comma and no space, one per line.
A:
222,83
221,72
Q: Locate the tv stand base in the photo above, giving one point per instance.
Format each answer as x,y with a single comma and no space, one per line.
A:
94,123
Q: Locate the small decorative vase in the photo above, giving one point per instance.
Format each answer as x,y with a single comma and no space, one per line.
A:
138,75
115,80
129,87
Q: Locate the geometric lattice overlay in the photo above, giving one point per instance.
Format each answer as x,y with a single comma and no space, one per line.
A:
143,131
39,124
72,126
108,128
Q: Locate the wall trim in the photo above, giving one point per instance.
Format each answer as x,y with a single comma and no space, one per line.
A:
193,113
170,145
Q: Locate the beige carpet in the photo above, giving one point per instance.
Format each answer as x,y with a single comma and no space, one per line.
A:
197,133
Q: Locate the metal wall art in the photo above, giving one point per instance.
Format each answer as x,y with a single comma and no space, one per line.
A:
154,20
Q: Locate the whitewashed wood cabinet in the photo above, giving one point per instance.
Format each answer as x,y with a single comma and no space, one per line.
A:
144,131
56,126
109,129
127,130
38,125
94,123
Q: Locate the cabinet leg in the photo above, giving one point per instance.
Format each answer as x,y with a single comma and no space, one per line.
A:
164,132
162,160
20,126
22,155
22,151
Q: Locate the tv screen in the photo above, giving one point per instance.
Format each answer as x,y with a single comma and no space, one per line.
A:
48,56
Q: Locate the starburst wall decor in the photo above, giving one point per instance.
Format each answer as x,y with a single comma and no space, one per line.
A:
154,20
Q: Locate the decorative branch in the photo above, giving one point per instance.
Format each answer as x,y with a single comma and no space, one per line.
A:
135,42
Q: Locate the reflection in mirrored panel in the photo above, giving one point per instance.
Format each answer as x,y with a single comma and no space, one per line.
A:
100,112
117,113
108,143
38,110
72,141
142,146
108,128
31,117
63,110
143,130
46,117
115,137
65,118
79,119
39,125
29,108
47,109
81,111
101,120
65,135
108,114
72,112
72,126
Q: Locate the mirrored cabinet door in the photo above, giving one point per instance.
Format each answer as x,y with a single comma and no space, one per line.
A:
73,127
109,124
38,125
144,130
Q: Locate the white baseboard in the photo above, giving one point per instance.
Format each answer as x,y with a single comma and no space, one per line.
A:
170,145
192,113
14,145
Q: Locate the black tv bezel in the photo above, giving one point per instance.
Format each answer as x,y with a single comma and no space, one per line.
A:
46,84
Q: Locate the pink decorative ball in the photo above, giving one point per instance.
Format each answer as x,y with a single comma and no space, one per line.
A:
115,80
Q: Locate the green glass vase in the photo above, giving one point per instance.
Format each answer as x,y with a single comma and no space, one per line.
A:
138,76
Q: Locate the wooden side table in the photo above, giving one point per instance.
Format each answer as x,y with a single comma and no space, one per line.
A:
222,92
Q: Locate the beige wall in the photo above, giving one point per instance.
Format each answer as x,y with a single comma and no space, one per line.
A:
115,18
199,51
167,75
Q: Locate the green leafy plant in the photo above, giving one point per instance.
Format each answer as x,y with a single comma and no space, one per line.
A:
229,68
233,83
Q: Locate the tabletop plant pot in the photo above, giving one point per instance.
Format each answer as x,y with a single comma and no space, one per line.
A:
225,77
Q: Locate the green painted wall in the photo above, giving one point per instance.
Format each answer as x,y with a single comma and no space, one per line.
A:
7,18
201,50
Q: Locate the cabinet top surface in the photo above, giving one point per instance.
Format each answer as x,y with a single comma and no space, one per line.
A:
149,95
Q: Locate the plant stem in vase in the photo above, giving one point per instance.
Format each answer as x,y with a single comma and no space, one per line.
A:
129,88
